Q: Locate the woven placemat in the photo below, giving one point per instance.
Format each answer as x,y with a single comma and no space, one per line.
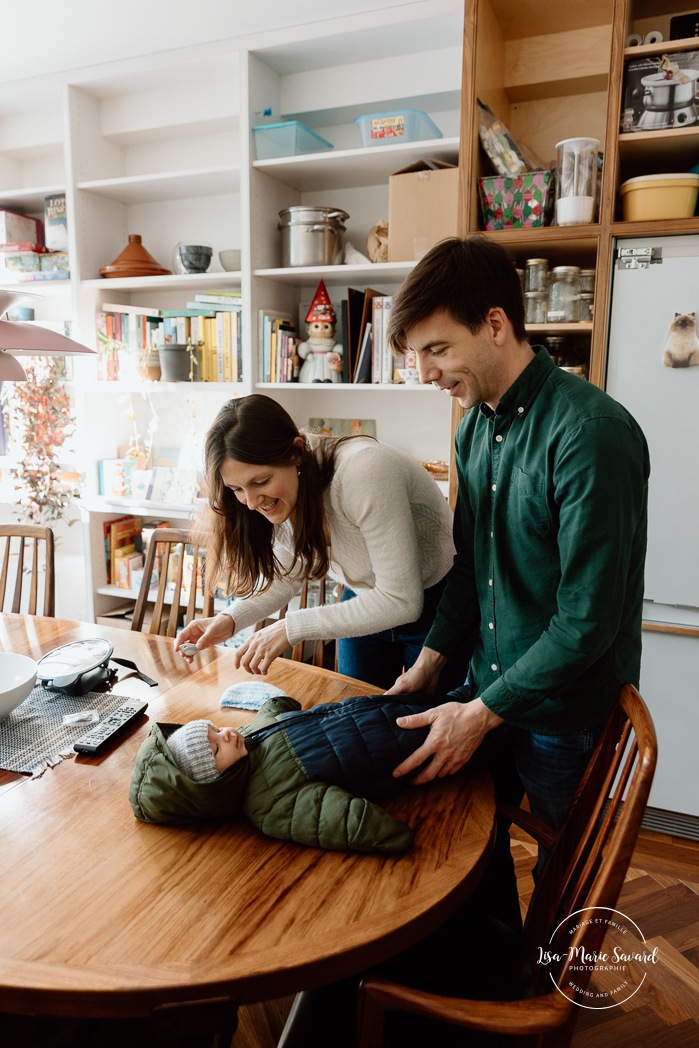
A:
33,737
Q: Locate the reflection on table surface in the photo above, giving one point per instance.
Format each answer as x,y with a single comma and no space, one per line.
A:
111,916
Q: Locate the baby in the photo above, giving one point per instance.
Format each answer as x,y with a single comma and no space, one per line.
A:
311,776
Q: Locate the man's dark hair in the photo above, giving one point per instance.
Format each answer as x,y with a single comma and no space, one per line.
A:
464,277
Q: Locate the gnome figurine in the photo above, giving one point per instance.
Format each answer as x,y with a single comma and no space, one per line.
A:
321,355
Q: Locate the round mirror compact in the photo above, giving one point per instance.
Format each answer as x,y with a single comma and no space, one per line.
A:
64,667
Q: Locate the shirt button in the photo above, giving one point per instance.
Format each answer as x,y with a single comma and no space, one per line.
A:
491,626
490,582
493,666
495,487
499,437
520,410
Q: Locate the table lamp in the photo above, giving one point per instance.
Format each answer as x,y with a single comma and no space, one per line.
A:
26,339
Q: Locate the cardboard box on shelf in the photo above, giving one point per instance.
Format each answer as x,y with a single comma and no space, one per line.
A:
422,207
18,228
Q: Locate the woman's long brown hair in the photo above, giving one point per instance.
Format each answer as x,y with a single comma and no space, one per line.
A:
240,545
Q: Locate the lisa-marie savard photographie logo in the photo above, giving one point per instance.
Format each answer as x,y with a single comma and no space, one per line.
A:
604,978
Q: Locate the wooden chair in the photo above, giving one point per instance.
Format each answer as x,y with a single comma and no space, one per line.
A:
177,604
27,554
319,646
586,867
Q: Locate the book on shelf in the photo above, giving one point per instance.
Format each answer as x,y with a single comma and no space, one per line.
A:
42,275
121,533
384,365
15,247
188,311
128,559
278,342
355,308
219,293
55,222
362,371
119,307
115,477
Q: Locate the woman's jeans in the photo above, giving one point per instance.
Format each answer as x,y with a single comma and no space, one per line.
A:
380,658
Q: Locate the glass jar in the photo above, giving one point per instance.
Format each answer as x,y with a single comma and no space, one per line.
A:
587,305
535,306
520,274
587,280
536,274
556,345
564,295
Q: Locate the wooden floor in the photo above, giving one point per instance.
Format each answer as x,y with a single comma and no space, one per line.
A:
661,895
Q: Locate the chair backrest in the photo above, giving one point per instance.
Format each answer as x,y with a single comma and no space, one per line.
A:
587,863
319,646
591,853
27,568
178,559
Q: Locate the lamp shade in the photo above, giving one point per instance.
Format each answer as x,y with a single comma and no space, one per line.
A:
28,339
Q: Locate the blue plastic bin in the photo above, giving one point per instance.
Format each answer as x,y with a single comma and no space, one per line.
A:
289,138
402,125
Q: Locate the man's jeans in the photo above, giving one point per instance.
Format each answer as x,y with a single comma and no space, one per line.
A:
548,768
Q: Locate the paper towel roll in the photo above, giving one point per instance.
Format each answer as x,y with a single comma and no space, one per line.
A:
654,37
634,40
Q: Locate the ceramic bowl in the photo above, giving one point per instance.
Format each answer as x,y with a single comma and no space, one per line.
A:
17,678
195,258
230,259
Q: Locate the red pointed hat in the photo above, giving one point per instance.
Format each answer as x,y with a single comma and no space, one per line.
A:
321,307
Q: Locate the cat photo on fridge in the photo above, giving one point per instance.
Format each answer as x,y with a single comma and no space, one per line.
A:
681,346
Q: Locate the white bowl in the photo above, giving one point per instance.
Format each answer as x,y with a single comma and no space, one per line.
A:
17,678
230,259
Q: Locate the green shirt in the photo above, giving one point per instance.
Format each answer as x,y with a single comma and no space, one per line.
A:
550,534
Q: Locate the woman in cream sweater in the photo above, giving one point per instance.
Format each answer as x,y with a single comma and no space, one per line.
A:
286,507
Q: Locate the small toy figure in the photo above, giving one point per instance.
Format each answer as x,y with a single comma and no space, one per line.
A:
321,355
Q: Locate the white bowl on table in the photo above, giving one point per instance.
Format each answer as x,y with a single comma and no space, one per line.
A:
17,678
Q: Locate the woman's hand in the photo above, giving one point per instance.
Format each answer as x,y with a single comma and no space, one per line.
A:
262,648
204,633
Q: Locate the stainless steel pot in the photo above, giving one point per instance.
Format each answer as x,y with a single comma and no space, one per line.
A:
311,236
669,94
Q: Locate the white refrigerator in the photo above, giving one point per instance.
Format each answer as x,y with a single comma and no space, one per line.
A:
653,370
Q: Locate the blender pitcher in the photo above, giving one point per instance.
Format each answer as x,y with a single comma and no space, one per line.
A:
576,182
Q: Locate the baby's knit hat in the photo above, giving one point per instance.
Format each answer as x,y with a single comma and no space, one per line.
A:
192,751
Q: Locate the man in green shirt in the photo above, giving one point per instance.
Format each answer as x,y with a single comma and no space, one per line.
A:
550,533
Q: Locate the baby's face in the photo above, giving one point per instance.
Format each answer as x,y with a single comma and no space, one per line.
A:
227,746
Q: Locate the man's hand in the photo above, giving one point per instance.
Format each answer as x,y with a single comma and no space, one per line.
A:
456,731
262,648
422,676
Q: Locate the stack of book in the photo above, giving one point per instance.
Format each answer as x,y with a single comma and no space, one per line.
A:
211,323
277,339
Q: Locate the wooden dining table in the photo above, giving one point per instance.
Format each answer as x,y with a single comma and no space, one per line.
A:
107,916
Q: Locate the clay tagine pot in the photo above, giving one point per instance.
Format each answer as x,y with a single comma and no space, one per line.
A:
134,261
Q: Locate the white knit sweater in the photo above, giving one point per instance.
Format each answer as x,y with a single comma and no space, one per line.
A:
391,538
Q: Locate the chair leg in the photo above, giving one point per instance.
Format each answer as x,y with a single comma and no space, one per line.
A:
370,1020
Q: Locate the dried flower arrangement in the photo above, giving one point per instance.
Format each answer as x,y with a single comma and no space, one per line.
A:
40,420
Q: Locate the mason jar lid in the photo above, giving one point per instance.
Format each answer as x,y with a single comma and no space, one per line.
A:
537,262
536,294
566,271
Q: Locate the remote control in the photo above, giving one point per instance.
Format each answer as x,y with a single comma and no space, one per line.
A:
92,740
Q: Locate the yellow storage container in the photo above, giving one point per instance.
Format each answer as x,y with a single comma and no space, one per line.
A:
659,196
